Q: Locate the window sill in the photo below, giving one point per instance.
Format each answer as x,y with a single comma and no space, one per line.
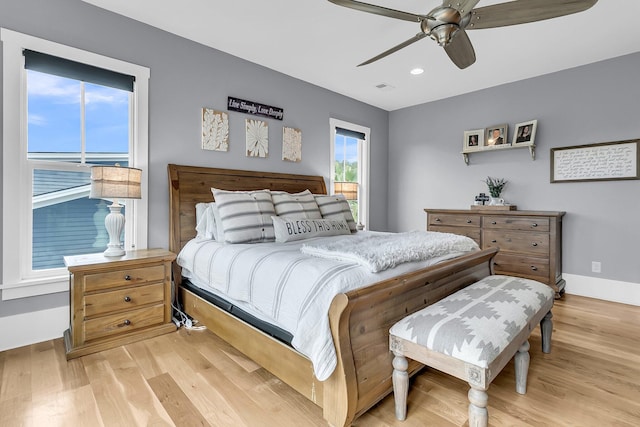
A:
33,288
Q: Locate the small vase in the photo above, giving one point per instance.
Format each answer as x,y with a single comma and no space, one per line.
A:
496,201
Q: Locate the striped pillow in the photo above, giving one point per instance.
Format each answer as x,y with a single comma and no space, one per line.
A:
245,215
336,206
298,205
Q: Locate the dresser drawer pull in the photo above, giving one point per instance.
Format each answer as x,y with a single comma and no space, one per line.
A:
468,221
127,322
534,268
534,225
437,220
534,244
127,299
493,222
127,277
494,241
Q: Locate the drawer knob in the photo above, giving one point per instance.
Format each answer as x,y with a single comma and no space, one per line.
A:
468,221
534,225
127,299
127,322
534,268
493,222
437,220
494,241
534,244
127,277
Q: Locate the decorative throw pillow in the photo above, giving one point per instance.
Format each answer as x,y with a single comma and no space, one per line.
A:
245,215
299,205
290,229
205,222
336,206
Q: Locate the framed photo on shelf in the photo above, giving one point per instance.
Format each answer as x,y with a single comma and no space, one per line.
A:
496,136
473,140
525,133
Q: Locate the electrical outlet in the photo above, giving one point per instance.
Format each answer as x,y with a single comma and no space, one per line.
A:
596,267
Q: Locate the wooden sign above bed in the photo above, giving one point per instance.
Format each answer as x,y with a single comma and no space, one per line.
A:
255,108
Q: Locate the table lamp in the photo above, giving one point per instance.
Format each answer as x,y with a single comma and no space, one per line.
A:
115,182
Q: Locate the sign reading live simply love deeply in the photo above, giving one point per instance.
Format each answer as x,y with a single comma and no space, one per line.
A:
606,161
255,108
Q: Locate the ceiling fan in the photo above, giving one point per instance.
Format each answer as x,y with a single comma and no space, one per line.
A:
447,24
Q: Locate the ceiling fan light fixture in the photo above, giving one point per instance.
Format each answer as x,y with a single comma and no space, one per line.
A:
443,34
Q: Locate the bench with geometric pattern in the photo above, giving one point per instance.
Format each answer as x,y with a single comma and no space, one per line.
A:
472,334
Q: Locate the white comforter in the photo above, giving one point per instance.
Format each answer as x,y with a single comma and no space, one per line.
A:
278,283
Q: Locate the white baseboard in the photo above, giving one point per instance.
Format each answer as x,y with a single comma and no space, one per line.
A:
604,289
30,328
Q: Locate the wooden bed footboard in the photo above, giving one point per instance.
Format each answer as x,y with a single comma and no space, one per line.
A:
360,322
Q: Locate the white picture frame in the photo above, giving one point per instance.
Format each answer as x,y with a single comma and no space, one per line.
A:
473,140
496,137
524,134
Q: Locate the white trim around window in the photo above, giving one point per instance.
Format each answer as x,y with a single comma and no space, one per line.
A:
15,282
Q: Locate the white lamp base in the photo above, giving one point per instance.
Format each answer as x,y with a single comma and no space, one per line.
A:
114,222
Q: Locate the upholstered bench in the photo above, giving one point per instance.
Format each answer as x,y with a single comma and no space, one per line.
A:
472,334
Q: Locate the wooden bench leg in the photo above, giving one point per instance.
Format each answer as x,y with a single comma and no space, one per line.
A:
522,367
400,385
478,414
546,327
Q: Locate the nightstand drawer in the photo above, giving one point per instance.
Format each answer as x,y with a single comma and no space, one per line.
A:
514,265
454,220
516,223
120,323
123,299
516,241
125,277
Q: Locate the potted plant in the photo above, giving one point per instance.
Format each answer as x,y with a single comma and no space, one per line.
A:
495,185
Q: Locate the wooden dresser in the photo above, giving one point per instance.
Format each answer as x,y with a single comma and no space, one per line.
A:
530,242
117,300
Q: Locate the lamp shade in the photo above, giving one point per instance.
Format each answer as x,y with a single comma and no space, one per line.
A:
115,182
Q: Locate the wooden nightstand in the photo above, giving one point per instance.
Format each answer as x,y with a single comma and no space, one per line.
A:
117,300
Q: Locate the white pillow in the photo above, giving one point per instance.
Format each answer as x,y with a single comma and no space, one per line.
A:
245,215
206,228
290,229
336,206
299,205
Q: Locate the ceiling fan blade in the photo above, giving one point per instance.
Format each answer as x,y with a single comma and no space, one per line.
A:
523,11
395,48
460,50
462,6
379,10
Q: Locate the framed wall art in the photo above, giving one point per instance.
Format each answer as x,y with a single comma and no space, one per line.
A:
291,144
215,130
525,133
607,161
257,138
473,140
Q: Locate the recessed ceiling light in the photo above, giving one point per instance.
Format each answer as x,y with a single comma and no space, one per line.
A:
417,71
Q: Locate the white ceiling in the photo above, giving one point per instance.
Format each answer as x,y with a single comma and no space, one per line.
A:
321,43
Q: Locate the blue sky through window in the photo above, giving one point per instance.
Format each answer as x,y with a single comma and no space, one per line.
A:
54,116
348,151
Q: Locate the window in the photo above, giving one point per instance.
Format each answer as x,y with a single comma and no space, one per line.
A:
350,166
64,110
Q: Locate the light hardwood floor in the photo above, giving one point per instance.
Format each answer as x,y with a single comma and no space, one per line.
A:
192,378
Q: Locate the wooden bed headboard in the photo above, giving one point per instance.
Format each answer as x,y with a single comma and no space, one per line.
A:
189,185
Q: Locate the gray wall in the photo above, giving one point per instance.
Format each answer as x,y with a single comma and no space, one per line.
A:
590,104
186,76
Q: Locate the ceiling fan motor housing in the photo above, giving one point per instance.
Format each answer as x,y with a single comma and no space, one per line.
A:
442,24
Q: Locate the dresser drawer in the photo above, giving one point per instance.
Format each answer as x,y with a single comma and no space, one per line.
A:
128,321
514,265
516,223
453,220
516,241
471,232
125,277
122,299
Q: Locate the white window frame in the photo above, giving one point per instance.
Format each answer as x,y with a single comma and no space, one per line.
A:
363,165
18,278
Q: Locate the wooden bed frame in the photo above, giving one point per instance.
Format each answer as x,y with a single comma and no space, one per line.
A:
360,319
